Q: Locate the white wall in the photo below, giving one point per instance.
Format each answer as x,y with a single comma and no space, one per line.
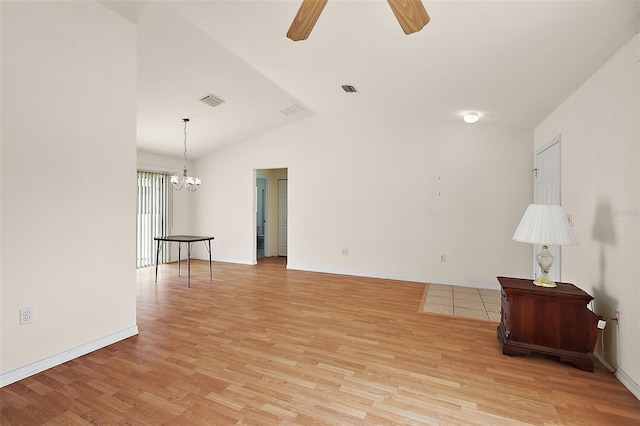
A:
600,127
68,167
396,194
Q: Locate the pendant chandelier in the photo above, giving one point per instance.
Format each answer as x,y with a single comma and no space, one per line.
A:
189,182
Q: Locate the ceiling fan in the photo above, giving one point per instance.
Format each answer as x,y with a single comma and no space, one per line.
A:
411,15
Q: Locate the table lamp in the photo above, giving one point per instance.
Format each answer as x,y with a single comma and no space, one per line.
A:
544,224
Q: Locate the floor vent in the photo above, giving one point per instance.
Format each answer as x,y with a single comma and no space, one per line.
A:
349,89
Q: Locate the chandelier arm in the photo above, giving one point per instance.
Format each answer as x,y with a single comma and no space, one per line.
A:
178,186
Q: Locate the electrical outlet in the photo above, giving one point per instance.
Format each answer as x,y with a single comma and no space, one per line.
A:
26,316
602,324
443,258
619,318
345,251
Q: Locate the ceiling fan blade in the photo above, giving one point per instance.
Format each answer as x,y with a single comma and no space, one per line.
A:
305,19
411,14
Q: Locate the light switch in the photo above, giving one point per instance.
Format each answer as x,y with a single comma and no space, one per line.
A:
570,219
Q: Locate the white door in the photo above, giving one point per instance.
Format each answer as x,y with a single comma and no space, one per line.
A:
282,217
547,191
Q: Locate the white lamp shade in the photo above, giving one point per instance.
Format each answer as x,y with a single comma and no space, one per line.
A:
544,224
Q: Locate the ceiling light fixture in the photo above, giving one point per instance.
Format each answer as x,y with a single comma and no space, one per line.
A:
471,117
189,182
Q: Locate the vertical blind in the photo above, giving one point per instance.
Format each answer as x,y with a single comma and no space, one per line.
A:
153,216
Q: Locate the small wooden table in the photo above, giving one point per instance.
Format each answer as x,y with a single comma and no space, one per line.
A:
553,321
189,239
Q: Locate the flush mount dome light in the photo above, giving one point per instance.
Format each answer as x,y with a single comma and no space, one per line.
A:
471,117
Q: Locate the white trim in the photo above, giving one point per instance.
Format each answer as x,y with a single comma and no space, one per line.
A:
623,377
479,286
628,383
603,361
228,260
482,286
55,360
155,169
265,214
552,142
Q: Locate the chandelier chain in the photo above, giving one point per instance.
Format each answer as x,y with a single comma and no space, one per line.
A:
185,141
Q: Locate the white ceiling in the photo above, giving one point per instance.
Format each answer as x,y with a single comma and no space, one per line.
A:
512,61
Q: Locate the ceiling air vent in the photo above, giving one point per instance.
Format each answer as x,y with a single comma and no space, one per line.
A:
290,110
211,100
349,89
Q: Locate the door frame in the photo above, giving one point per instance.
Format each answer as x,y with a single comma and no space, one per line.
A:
265,215
283,251
272,175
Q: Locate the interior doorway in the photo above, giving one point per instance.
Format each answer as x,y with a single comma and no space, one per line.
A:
268,238
261,215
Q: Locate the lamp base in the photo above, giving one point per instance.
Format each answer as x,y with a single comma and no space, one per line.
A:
545,260
545,281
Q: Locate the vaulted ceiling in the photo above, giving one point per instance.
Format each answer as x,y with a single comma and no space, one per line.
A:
511,61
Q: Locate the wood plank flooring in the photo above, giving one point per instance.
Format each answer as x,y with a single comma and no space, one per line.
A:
263,345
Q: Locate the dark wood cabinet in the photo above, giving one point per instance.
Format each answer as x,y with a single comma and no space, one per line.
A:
553,321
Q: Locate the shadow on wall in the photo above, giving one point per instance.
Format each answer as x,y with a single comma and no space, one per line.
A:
603,232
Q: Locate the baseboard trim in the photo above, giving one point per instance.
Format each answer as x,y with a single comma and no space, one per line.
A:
226,260
623,377
483,286
604,361
628,383
55,360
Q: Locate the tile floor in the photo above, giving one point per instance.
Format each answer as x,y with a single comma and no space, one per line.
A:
463,302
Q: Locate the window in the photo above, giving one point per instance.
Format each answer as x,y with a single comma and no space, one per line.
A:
153,216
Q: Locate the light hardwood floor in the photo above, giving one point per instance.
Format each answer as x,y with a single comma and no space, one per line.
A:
264,345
